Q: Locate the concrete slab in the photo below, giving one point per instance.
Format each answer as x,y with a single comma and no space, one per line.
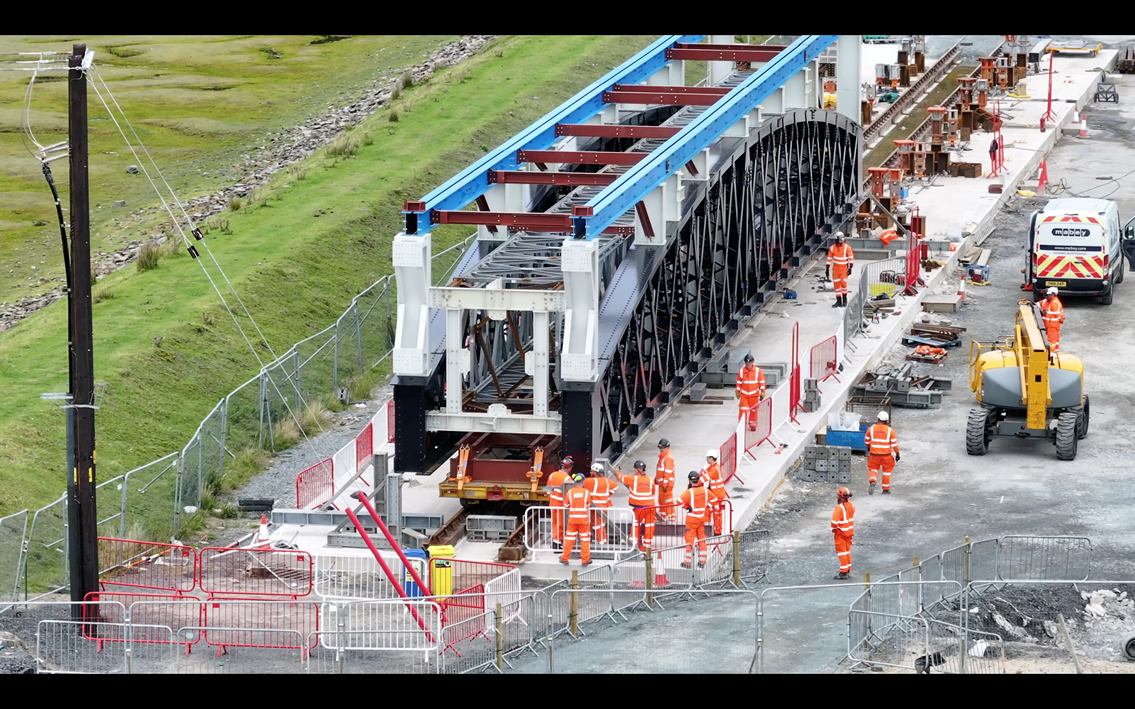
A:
941,303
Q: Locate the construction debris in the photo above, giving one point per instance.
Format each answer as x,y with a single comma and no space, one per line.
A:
902,388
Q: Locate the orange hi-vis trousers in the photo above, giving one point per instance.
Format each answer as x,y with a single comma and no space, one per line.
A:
558,525
843,551
643,529
884,462
748,405
599,526
695,529
839,279
666,497
1052,333
578,529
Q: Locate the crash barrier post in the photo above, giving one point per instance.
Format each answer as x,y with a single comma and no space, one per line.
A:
315,486
150,565
538,536
255,572
354,577
255,622
824,360
740,612
759,430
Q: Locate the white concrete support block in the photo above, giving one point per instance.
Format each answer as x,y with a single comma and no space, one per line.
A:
848,95
538,358
718,71
795,91
655,211
671,200
411,256
740,129
701,164
579,355
454,384
774,103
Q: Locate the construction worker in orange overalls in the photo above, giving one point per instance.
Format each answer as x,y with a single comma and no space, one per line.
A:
882,452
601,488
843,526
556,500
664,481
711,479
1053,311
578,503
642,502
696,499
750,390
840,261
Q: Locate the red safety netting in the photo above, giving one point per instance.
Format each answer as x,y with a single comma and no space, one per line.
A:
316,485
824,360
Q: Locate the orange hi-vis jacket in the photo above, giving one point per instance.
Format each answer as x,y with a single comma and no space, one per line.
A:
711,480
601,490
880,440
843,519
751,381
696,500
556,481
664,473
578,502
641,488
1053,311
840,256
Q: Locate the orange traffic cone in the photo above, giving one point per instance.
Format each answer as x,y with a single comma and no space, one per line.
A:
1075,115
1043,177
660,579
262,535
1083,125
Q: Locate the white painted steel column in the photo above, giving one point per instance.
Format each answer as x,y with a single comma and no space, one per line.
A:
796,91
847,80
454,386
579,355
719,70
539,364
411,256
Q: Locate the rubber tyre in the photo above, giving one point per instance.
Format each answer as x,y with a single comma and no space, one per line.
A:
1083,420
1066,435
977,437
1122,268
1106,298
1038,295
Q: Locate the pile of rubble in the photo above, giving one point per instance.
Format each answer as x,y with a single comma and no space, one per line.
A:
289,146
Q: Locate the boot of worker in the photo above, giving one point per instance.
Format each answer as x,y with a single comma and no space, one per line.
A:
886,482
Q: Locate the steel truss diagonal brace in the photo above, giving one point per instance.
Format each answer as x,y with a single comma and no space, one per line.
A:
413,277
579,351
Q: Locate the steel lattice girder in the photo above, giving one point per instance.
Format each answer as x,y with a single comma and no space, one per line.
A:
765,210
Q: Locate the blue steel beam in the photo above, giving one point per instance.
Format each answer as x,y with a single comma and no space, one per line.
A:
635,184
473,181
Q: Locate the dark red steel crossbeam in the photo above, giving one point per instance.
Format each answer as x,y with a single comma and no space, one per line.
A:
640,88
576,157
661,98
521,221
570,179
724,52
589,130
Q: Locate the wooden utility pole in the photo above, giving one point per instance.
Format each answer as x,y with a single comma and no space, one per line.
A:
82,513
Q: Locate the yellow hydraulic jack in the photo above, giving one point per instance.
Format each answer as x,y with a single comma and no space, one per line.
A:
537,463
462,462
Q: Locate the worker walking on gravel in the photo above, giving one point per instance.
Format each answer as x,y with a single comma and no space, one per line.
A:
601,488
1053,311
711,479
556,500
840,261
642,502
664,481
695,500
882,452
750,390
578,522
843,527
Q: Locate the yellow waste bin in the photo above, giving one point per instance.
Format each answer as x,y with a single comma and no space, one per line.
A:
441,572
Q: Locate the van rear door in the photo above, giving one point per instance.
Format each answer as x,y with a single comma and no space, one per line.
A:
1069,252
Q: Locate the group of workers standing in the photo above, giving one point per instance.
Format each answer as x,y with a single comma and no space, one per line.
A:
578,512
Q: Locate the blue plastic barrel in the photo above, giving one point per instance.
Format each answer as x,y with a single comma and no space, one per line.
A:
904,192
408,583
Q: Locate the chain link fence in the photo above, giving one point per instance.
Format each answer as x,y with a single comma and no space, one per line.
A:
269,412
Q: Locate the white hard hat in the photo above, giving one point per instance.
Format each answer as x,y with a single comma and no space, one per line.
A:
1051,291
883,416
597,467
839,235
711,453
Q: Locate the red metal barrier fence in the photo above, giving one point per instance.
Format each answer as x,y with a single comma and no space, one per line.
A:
728,460
390,421
255,572
364,447
151,565
825,360
762,431
252,622
794,383
150,615
316,485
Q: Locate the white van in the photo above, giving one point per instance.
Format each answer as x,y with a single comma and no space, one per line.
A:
1075,245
